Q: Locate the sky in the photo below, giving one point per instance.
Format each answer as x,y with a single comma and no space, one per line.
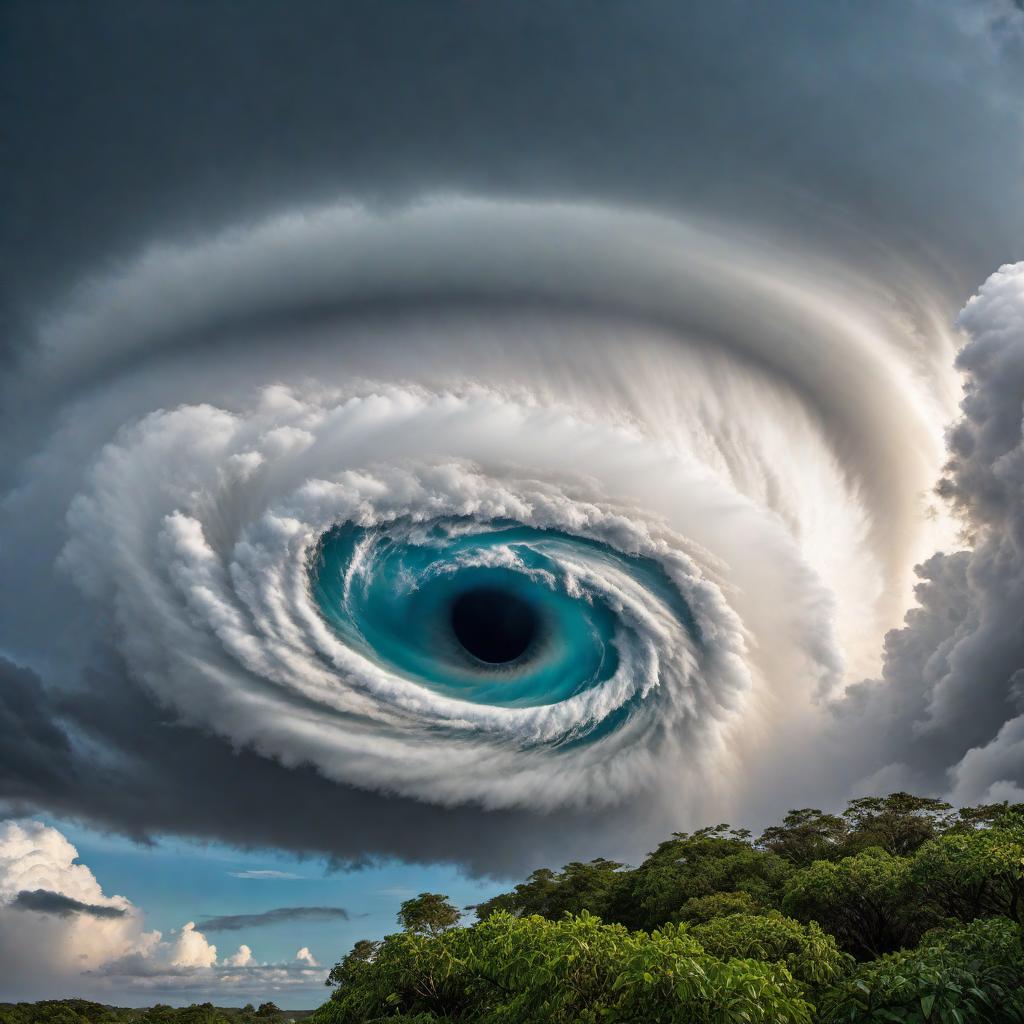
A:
682,343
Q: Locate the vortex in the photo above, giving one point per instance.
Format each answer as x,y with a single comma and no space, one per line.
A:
506,504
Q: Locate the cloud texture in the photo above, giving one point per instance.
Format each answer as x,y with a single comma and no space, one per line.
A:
949,700
704,435
651,462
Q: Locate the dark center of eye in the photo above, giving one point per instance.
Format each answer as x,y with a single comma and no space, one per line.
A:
493,625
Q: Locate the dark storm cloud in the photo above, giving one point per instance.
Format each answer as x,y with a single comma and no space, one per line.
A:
35,749
236,922
43,901
128,121
134,770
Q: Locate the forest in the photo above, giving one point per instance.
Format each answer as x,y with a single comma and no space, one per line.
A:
901,909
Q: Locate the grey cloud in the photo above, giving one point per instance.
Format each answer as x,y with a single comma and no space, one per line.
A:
384,101
35,749
126,749
135,965
948,702
236,922
43,901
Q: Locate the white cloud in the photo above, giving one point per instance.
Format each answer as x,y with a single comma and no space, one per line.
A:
35,944
190,949
72,947
305,957
240,959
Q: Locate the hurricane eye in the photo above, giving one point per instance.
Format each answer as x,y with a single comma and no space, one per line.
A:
497,614
493,625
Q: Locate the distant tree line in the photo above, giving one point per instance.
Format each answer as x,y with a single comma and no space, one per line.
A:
898,910
82,1011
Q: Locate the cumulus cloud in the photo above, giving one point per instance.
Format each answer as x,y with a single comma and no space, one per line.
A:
60,934
242,958
234,975
55,919
949,700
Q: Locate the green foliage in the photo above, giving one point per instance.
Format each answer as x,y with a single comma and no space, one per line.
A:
698,909
865,901
996,939
429,913
349,967
691,867
811,956
807,835
976,872
898,823
578,887
81,1011
529,969
985,815
957,977
59,1011
685,867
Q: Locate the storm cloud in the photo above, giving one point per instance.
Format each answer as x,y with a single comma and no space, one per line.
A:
585,272
949,700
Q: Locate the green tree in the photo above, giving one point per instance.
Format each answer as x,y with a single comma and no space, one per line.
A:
811,956
430,913
60,1011
352,963
698,909
977,872
530,970
529,897
866,901
985,815
967,975
899,823
578,887
685,867
806,835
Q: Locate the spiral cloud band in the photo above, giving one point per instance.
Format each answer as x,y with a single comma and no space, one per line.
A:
211,584
682,475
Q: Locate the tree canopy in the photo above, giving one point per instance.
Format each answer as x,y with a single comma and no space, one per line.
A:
897,910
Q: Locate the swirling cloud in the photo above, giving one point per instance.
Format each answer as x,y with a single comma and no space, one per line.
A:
268,467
